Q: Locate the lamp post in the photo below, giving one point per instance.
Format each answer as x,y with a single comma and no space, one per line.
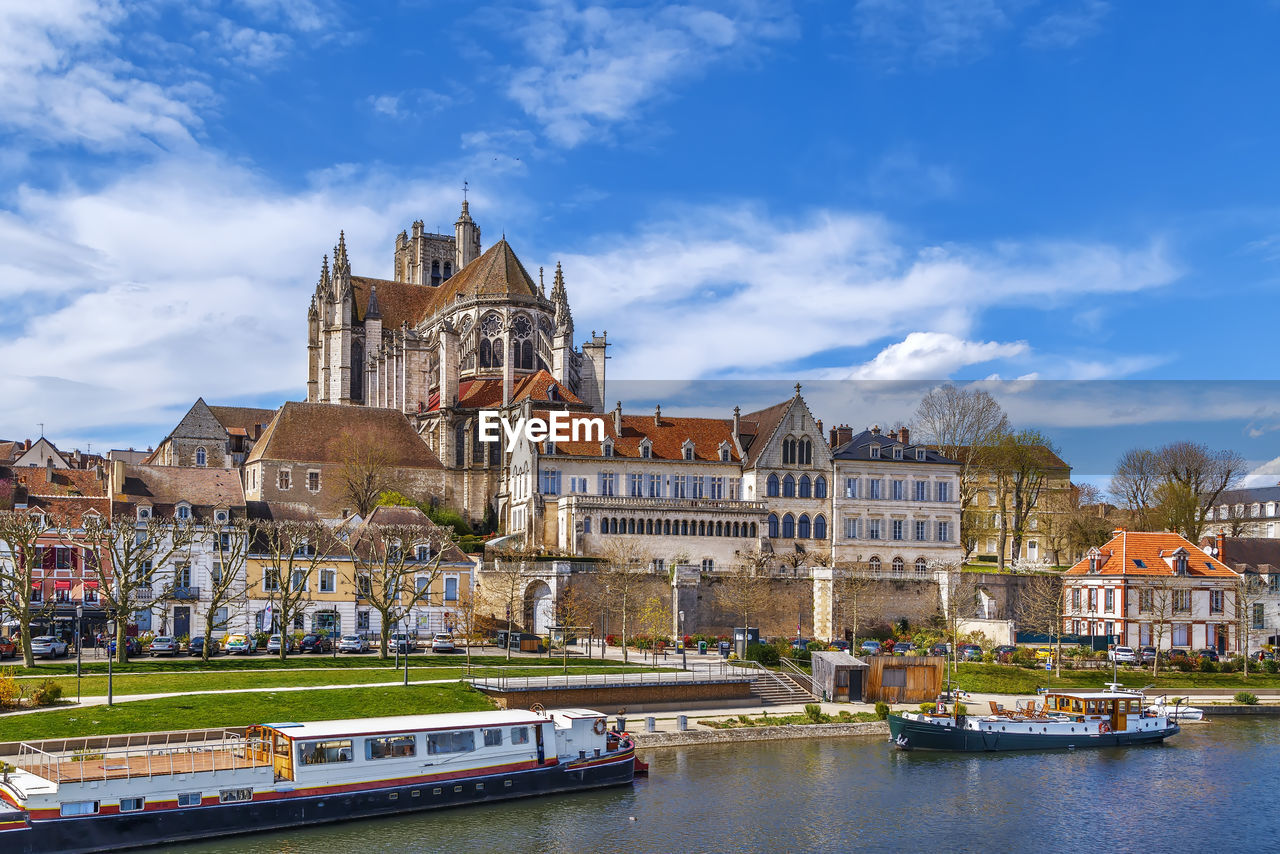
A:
79,619
684,651
115,615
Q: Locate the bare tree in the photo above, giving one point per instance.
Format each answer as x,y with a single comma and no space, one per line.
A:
365,473
20,533
1192,477
744,594
1250,594
465,615
393,566
1019,461
1158,600
227,581
1040,609
859,596
574,609
291,549
1134,484
502,588
963,425
957,592
133,556
627,566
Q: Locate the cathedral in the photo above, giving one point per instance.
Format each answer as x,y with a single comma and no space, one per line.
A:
455,330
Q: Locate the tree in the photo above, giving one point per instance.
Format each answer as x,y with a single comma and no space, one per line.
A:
1250,594
1192,477
745,594
365,473
227,582
957,592
20,533
1072,521
963,425
393,566
574,609
1019,460
133,556
502,588
859,596
1158,597
1134,484
1040,609
291,550
653,618
627,566
465,616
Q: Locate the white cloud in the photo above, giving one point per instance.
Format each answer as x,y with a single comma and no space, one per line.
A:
1065,28
933,30
252,48
929,355
593,67
735,291
412,103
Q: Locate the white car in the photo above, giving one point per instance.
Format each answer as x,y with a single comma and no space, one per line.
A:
353,643
1122,655
443,642
47,646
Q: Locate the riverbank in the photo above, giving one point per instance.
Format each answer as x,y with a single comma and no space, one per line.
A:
702,735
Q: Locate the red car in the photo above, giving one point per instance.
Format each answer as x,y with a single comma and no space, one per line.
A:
7,648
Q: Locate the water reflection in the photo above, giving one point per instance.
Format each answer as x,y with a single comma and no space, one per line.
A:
1207,790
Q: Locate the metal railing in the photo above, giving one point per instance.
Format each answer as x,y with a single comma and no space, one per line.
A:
701,673
798,675
90,758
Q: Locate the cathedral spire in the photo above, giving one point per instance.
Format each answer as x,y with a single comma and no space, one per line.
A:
373,313
324,287
560,298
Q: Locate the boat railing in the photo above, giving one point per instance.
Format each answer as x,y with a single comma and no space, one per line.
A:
498,679
147,755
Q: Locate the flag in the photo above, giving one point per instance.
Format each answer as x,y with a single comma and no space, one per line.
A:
266,619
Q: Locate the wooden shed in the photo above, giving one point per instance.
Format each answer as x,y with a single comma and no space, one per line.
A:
838,676
904,678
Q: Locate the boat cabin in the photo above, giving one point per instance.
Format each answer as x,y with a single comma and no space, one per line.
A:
1114,708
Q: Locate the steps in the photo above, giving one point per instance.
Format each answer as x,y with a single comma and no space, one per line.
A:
780,691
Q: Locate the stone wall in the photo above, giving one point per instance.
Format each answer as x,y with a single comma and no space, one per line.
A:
632,697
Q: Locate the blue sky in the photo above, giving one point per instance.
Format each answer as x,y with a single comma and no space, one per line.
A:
738,190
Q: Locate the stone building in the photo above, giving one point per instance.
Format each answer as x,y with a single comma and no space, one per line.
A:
1245,513
212,436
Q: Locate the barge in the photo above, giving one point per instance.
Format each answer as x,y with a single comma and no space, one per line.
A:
74,796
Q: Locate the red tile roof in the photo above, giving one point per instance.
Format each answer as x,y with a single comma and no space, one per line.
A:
37,480
486,393
667,437
1151,548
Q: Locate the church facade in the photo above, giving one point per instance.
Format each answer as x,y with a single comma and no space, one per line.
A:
454,331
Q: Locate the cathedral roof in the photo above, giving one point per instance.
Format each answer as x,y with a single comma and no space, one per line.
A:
755,429
317,433
498,272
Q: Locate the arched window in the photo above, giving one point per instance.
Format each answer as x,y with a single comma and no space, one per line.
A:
522,343
435,274
820,487
631,526
820,527
702,528
788,527
773,525
788,451
874,564
788,487
753,530
448,270
201,457
771,486
803,529
719,529
806,452
684,527
491,341
898,566
666,527
486,353
805,487
922,567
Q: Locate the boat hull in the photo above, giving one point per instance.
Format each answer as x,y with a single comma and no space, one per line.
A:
914,735
154,827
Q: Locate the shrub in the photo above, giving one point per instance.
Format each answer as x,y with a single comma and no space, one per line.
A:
882,710
815,646
611,640
46,693
10,689
814,713
961,709
1207,665
766,654
1231,665
1270,665
1244,698
928,708
1184,663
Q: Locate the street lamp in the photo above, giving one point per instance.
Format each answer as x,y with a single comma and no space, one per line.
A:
684,650
115,616
79,619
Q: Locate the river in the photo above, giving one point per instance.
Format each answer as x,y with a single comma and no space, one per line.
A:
1212,788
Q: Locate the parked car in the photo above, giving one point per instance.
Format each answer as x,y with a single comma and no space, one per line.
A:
940,649
274,642
353,643
1211,654
970,652
164,645
1122,655
196,646
799,644
1262,655
1177,652
903,648
442,642
870,647
241,644
7,648
1147,654
1003,652
132,646
47,646
317,643
403,643
842,645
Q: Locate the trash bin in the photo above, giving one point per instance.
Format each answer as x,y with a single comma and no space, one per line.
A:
621,723
682,722
724,649
650,724
702,647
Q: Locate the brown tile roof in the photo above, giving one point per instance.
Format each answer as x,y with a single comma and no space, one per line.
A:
412,516
497,272
1047,458
316,433
70,511
667,437
37,480
243,418
10,450
1151,549
163,487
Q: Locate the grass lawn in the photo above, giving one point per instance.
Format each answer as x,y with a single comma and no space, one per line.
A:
230,680
1004,679
203,711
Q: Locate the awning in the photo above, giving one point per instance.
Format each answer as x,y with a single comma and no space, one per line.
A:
90,585
62,585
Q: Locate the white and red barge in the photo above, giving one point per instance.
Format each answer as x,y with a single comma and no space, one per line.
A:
67,796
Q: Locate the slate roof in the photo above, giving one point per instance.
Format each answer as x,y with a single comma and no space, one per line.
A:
412,516
1261,495
667,436
1151,548
859,448
498,272
754,429
316,433
1251,552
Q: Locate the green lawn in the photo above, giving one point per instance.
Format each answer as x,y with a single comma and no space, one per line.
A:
263,662
230,680
1005,679
203,711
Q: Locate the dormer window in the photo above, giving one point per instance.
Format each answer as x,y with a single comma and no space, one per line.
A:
897,452
144,513
875,452
920,454
606,449
724,452
1180,562
687,449
184,511
551,447
220,517
1095,561
646,449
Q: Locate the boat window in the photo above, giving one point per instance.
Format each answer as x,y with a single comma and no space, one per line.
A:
451,742
492,737
80,808
324,752
519,735
235,796
131,804
390,747
189,799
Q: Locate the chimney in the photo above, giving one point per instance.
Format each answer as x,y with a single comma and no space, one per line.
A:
893,434
1222,547
117,477
48,463
657,415
819,422
617,420
841,435
904,435
737,425
875,429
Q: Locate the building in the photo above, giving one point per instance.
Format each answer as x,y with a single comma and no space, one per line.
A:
1152,589
1245,513
1257,559
308,450
896,505
212,436
1050,478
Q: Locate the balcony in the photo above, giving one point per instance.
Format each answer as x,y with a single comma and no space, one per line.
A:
183,594
721,505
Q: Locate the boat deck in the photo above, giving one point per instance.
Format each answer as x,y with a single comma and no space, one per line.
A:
91,762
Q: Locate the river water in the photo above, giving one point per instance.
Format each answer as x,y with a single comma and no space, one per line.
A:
1212,788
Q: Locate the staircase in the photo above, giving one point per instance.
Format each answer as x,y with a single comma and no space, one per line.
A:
775,689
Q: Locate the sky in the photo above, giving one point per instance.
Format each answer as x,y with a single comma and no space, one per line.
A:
1007,192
